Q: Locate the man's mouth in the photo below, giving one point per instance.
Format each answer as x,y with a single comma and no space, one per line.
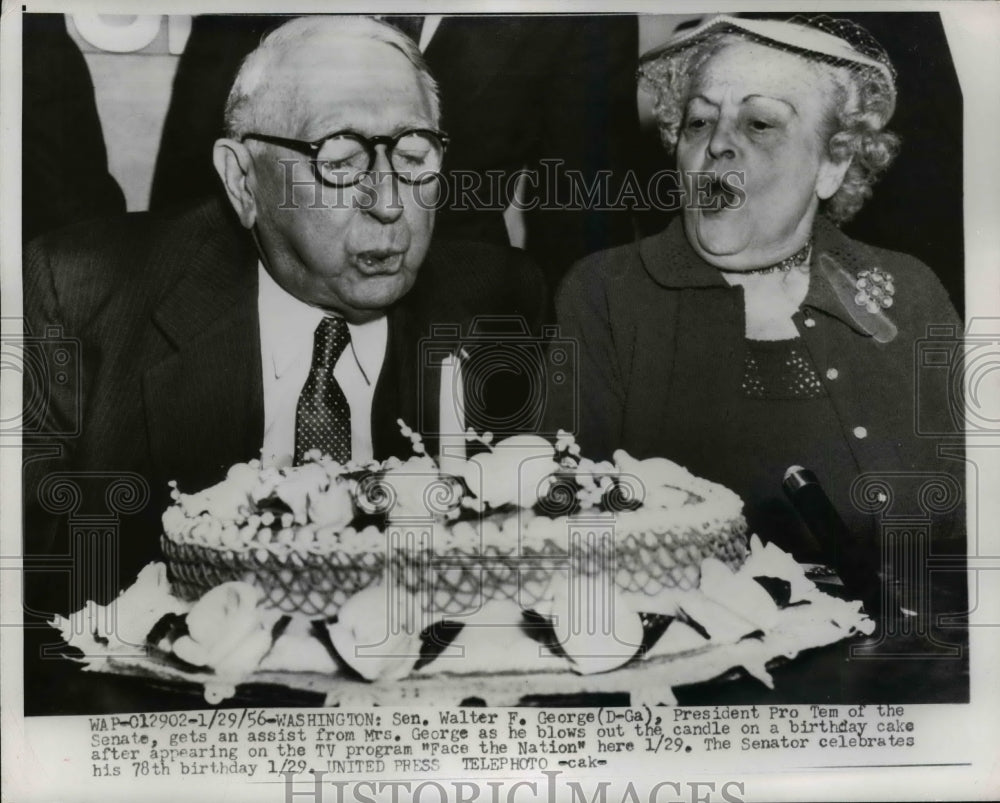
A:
378,261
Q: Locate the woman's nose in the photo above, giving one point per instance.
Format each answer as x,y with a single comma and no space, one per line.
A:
722,145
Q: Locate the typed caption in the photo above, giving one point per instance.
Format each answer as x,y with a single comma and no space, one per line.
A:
254,743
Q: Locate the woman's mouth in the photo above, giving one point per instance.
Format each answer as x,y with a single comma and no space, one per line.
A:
720,194
711,191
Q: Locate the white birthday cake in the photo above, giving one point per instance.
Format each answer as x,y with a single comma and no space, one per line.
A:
305,569
462,532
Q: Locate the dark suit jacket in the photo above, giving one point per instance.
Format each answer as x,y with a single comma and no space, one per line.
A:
163,313
515,90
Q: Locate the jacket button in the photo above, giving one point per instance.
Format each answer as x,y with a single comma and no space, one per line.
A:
860,432
832,373
810,322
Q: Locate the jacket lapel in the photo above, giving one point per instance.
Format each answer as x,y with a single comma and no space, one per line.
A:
397,388
204,401
691,351
670,261
428,323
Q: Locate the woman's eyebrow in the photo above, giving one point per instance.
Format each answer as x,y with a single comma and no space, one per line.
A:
755,96
772,97
703,99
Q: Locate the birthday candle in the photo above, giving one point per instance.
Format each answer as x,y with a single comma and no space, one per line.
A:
452,405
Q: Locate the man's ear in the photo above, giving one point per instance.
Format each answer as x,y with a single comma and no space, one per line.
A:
234,166
831,176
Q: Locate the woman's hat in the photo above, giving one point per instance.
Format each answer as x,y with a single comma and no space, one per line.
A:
842,42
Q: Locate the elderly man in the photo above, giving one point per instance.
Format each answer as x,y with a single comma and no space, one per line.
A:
204,341
516,91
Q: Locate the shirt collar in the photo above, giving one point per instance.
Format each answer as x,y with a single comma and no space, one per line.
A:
671,262
287,326
848,257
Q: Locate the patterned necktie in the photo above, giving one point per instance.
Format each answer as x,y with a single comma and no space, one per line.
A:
323,417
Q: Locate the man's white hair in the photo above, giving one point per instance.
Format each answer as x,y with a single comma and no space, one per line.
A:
246,109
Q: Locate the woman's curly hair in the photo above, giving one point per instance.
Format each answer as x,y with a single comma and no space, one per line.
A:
861,103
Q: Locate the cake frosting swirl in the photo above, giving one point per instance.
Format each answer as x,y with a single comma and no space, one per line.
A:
492,526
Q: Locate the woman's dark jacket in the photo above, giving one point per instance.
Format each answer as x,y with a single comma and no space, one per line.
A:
660,347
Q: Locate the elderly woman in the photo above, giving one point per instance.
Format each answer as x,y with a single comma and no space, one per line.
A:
752,335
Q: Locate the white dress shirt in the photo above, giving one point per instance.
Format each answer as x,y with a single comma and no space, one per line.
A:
287,326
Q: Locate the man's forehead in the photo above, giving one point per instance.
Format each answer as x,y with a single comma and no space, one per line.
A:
339,81
335,48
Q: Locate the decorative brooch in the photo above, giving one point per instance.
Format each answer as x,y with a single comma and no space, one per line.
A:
875,290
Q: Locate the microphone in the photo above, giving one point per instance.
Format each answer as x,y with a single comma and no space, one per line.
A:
842,550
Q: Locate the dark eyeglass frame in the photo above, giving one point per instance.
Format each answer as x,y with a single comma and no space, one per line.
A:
369,144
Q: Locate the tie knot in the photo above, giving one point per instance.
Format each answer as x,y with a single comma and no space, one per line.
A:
331,338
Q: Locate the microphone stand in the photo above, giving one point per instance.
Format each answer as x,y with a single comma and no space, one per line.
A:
855,564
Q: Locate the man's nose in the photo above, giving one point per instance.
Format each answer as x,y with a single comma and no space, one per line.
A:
385,204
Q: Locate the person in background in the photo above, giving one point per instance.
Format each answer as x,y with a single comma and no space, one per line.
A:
64,164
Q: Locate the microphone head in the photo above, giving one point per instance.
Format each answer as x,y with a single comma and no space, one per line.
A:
797,477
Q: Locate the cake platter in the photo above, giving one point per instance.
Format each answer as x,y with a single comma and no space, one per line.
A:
458,659
524,570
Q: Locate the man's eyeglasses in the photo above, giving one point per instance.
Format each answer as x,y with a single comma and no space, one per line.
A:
343,158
